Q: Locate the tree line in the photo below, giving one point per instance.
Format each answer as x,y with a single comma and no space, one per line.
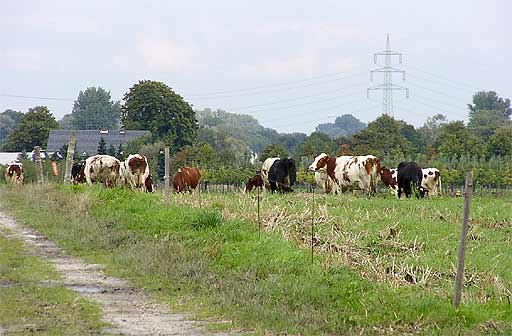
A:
229,147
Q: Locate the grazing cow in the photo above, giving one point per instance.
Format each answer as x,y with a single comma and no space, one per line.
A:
388,177
148,183
78,172
103,169
349,172
323,180
254,182
265,168
431,177
134,171
282,175
186,179
409,179
14,173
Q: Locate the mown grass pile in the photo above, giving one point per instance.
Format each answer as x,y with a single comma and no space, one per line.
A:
382,266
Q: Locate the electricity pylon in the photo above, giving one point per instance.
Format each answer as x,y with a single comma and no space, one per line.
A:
387,86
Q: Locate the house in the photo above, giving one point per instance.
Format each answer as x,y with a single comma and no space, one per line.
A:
87,140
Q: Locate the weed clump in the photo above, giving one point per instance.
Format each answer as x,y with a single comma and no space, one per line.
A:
207,219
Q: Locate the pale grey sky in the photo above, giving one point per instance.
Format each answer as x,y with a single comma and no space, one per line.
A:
290,64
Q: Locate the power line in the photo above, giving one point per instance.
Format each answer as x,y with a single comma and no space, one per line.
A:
271,86
34,97
295,98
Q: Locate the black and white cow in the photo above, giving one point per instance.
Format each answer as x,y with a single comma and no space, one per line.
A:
409,179
279,174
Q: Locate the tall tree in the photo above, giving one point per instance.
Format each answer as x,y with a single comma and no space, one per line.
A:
456,140
317,143
102,147
430,130
9,120
67,122
94,109
274,150
156,107
483,123
500,142
384,136
345,125
33,130
489,100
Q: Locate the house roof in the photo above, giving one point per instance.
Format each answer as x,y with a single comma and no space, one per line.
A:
87,140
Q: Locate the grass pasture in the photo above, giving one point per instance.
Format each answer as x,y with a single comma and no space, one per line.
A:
381,266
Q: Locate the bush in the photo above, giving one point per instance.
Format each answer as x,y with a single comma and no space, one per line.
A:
207,219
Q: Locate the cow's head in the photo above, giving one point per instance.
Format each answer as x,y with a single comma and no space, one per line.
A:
319,163
292,170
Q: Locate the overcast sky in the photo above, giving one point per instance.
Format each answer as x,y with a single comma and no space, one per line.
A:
290,64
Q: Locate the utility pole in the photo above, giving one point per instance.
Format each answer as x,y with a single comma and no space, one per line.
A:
387,86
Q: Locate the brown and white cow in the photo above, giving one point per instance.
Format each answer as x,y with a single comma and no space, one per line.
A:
134,171
254,182
102,169
349,172
14,173
323,180
389,179
186,179
431,178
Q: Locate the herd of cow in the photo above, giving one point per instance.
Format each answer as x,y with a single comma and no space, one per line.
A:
111,172
332,174
343,173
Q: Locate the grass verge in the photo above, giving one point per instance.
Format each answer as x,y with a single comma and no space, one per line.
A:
32,303
221,269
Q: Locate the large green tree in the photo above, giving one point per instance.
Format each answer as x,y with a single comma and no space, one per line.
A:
9,120
33,130
94,109
154,106
317,143
274,150
489,100
385,136
500,142
483,123
456,140
343,126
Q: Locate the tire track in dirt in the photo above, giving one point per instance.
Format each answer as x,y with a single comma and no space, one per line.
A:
129,310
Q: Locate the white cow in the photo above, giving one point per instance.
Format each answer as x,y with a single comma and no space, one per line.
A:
103,169
349,172
431,178
265,168
134,171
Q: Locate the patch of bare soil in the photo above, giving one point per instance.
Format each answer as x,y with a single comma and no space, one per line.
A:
128,309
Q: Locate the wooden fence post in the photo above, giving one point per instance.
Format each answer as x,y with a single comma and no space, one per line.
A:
166,174
69,158
39,164
459,282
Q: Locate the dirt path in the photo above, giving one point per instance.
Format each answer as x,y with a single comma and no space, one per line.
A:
126,308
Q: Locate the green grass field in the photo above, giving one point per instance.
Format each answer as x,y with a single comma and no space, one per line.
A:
31,303
380,266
